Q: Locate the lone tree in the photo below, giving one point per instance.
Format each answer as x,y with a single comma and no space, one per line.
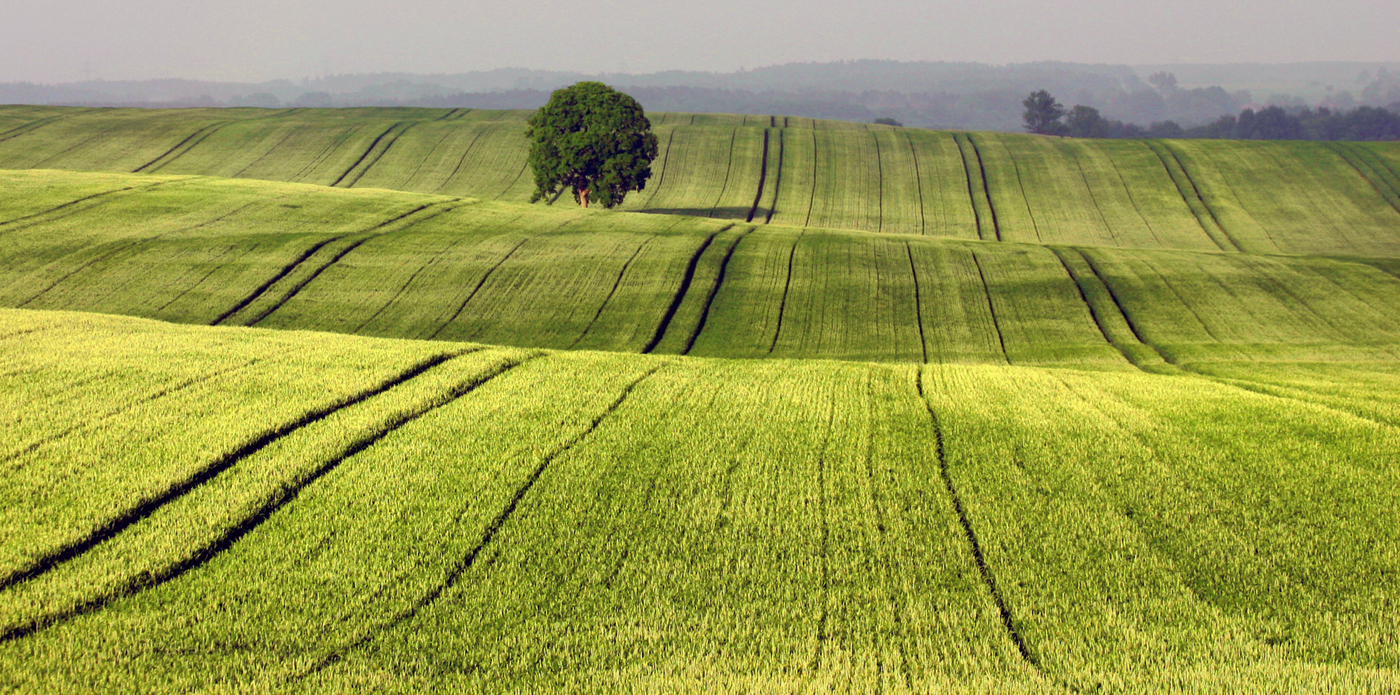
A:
593,139
1043,114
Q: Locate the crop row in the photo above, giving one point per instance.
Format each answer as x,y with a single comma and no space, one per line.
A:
230,252
1260,197
416,515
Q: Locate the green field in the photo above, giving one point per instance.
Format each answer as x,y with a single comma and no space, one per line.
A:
1258,197
311,400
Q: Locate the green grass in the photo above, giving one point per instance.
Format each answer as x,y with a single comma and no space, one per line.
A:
430,514
850,408
375,262
1258,197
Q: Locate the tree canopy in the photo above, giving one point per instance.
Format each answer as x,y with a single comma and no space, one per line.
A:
593,139
1043,113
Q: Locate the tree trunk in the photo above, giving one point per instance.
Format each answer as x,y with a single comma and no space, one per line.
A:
583,197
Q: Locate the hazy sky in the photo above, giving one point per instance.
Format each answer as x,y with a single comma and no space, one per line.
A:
254,40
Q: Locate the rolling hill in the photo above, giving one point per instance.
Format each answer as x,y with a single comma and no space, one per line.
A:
1255,197
312,401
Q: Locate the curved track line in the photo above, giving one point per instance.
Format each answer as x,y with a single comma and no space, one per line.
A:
1008,621
454,575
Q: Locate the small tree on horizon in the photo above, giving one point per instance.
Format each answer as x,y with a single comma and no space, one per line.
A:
593,139
1043,114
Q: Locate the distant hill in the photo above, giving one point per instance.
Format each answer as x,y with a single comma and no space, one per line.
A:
925,94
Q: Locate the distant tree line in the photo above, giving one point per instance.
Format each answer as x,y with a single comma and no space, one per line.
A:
1045,116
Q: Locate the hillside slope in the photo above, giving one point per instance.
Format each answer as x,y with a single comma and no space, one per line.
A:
1262,197
193,508
373,262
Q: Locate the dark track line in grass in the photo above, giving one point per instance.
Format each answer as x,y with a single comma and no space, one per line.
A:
366,153
144,508
480,283
1008,620
880,179
787,285
1084,176
418,166
665,165
919,183
777,180
616,283
971,195
991,308
297,288
987,189
714,291
265,154
1084,297
1195,192
406,284
78,201
35,125
1133,199
388,145
918,301
454,575
181,294
462,161
97,259
1382,187
206,131
290,267
1383,166
1122,310
762,178
198,557
681,291
812,197
1020,183
728,170
285,271
124,408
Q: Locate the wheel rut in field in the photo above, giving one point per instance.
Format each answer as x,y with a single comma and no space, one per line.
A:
616,283
136,402
991,307
407,283
714,290
1008,620
148,506
194,139
787,286
1094,288
777,180
918,182
1191,195
762,178
1368,171
67,207
373,146
297,263
978,193
686,279
460,162
461,567
918,302
284,495
477,288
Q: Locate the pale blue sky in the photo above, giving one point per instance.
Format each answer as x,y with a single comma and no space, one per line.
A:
254,40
